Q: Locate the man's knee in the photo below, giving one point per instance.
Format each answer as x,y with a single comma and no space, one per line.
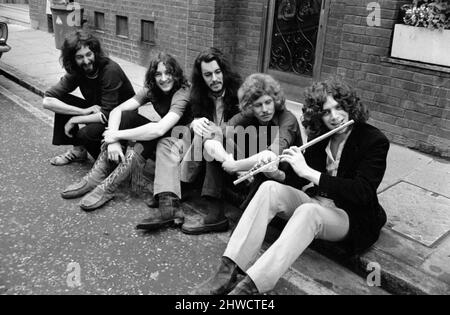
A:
310,213
83,134
269,188
91,132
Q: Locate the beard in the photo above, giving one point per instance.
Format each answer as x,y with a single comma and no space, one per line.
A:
89,69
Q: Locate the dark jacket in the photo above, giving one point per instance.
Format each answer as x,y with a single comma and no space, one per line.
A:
361,171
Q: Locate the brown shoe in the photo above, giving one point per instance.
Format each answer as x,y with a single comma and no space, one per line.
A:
104,192
151,201
214,221
168,213
245,287
101,169
78,190
95,199
222,282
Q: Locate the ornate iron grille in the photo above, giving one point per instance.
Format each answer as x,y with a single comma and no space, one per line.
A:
296,24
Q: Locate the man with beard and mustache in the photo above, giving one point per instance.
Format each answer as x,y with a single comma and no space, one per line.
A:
103,85
214,101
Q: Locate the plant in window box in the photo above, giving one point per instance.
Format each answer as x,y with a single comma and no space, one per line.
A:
427,13
417,38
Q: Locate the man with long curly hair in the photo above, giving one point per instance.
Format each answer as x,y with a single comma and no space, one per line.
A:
166,90
103,85
343,207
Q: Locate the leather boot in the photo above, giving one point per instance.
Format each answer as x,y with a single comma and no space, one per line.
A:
210,219
222,282
168,213
151,201
105,191
245,287
101,169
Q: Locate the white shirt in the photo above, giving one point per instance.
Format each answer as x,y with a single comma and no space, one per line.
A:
332,169
333,163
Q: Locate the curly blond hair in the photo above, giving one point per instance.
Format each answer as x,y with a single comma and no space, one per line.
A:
257,85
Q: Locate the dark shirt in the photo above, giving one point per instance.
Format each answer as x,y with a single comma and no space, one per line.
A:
208,108
108,90
287,125
288,135
177,103
354,189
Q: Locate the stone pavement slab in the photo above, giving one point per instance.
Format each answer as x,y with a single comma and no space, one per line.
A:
402,162
434,177
417,213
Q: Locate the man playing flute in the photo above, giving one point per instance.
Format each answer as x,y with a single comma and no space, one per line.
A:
342,207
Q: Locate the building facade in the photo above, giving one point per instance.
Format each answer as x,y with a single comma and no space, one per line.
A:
298,42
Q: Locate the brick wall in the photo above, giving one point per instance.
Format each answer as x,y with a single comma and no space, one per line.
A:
14,1
248,36
170,18
200,29
234,26
184,29
410,104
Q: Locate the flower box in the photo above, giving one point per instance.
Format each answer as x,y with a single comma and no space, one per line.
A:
421,44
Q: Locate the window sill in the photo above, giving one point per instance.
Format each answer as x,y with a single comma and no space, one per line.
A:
415,64
123,36
144,43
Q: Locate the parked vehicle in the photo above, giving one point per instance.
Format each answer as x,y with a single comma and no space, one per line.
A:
4,38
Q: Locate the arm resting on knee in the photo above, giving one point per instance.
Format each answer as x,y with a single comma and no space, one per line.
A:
59,107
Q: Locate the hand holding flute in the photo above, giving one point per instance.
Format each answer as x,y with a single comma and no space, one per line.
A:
293,151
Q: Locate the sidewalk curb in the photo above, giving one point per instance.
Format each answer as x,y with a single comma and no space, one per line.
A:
22,79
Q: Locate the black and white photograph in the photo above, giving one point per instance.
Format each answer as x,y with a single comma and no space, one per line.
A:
225,155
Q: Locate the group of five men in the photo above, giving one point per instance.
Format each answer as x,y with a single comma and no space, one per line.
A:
210,112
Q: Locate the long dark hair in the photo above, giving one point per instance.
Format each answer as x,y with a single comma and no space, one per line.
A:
173,67
74,42
316,97
202,104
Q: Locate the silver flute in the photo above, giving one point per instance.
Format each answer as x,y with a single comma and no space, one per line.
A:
250,174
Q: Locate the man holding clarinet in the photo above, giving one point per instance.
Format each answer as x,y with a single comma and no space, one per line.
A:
346,169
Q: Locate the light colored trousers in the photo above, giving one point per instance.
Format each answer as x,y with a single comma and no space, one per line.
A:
308,219
169,153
